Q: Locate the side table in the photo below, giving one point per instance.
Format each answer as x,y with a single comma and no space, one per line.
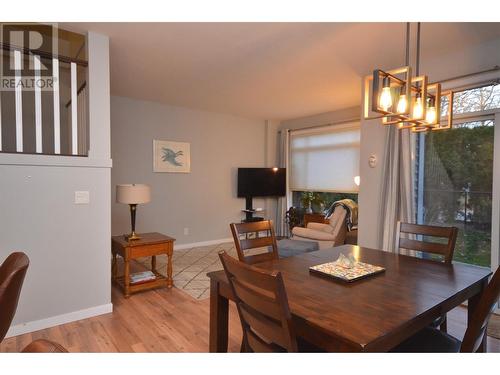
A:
149,245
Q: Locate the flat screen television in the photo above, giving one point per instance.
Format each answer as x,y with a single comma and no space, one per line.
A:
261,182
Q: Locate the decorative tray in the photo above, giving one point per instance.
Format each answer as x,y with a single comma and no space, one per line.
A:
349,274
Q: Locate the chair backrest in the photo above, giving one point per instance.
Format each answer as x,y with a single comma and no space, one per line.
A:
444,249
262,304
476,329
259,241
12,272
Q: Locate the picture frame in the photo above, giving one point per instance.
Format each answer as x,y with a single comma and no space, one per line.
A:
171,157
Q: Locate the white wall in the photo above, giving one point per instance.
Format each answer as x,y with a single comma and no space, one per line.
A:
68,245
204,201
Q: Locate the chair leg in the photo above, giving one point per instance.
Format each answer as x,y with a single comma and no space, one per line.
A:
444,326
244,347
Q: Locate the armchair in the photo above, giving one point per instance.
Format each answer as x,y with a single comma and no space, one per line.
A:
326,235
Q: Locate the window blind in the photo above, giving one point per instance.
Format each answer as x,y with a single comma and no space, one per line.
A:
325,159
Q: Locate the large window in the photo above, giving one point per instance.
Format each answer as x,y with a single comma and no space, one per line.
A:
324,163
454,181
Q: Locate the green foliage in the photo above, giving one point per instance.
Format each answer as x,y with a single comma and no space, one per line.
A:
455,161
320,200
473,247
311,199
466,155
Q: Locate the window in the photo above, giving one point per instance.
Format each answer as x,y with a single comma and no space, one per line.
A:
474,100
454,180
324,161
320,201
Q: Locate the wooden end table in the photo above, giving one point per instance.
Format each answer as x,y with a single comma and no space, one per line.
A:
149,245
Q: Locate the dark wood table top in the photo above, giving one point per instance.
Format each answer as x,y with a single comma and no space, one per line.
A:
380,311
146,239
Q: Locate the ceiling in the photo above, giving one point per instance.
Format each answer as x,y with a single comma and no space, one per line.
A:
276,71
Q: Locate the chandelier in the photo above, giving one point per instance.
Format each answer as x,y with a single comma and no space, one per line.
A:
406,101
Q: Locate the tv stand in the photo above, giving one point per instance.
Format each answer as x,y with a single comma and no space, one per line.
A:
249,211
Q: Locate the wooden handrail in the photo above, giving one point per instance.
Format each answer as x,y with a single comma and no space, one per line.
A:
44,54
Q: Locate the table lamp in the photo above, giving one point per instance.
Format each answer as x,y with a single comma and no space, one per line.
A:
133,194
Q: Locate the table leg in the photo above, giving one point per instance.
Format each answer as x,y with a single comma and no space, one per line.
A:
126,280
219,315
471,307
170,280
153,263
114,266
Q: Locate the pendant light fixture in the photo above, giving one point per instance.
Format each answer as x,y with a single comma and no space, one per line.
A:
406,101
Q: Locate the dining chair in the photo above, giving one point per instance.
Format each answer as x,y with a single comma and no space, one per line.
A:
12,273
44,346
264,237
416,238
422,244
262,305
431,340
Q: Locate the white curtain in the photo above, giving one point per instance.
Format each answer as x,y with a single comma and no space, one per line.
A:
283,202
398,188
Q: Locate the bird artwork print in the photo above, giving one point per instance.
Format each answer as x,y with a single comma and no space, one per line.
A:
169,156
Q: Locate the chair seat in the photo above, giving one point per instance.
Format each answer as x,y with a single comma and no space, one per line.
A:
429,340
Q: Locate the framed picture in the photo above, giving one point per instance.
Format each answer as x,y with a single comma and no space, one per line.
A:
173,157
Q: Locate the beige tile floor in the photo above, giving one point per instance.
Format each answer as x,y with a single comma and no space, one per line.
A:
190,267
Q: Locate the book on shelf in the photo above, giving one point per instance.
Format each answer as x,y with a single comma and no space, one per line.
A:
142,277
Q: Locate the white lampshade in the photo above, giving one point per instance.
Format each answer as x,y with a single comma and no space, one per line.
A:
133,193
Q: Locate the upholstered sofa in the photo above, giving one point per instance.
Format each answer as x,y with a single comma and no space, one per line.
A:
330,234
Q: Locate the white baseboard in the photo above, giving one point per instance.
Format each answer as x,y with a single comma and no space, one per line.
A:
53,321
203,243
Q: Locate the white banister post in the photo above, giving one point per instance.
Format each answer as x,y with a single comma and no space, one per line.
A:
38,104
57,114
19,101
98,96
74,110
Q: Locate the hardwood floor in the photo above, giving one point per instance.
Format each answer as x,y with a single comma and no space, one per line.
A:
161,321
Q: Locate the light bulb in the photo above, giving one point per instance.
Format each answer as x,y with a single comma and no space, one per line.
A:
402,103
418,108
357,180
385,100
430,115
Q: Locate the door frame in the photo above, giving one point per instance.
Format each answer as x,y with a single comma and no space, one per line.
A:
495,202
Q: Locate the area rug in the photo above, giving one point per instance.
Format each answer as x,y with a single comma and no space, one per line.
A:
190,267
494,326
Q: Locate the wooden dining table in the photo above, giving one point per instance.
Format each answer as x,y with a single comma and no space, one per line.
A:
373,314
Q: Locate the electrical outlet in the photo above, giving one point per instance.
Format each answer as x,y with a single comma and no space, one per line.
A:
82,197
186,231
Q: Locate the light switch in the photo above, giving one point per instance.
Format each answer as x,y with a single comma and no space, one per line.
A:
82,197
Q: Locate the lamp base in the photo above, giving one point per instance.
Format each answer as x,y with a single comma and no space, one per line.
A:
132,236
